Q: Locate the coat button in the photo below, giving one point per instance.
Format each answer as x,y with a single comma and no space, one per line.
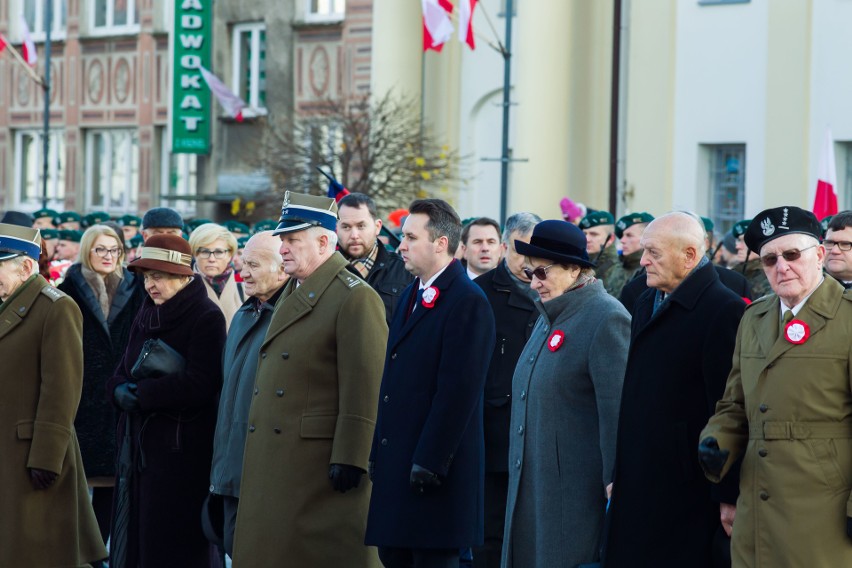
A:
762,452
384,441
212,487
523,395
279,392
532,358
764,496
763,408
393,355
263,354
277,430
517,464
530,324
251,428
769,366
255,391
386,399
521,430
285,355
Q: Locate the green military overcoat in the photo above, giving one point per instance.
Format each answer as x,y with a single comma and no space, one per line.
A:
789,408
315,403
41,348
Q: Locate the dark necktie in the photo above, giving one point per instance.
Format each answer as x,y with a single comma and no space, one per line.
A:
417,298
788,317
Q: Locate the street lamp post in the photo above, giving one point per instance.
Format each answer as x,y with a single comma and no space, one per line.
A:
48,24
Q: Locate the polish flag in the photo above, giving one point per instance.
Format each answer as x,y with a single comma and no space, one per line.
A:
232,104
825,202
437,27
28,50
3,43
466,22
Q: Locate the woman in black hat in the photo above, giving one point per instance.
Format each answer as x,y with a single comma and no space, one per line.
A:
566,393
167,423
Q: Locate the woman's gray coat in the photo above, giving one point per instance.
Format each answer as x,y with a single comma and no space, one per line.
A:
564,420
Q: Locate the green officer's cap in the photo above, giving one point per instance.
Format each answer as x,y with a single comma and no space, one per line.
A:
68,216
740,228
42,213
242,242
236,227
708,224
130,221
95,218
70,235
265,225
193,224
135,241
48,234
632,219
596,219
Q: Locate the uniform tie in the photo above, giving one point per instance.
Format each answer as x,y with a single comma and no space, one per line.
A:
788,317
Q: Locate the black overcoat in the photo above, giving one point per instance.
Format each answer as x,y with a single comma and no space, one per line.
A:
104,342
430,413
662,512
172,435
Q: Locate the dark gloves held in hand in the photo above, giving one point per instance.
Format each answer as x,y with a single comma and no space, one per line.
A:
41,478
421,478
344,477
125,397
712,457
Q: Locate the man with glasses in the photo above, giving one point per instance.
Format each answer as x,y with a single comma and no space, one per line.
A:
838,248
787,406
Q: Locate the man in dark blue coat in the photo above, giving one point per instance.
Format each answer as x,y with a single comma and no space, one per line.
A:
427,459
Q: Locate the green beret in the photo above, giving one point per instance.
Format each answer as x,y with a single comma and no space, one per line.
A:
130,221
193,224
596,219
708,224
740,228
70,235
265,225
630,220
242,242
42,213
48,234
824,224
67,217
135,241
236,227
95,218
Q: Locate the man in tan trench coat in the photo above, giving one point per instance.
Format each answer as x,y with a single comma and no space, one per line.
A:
46,519
788,406
304,498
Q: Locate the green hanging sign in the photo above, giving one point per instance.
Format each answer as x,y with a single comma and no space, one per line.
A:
191,114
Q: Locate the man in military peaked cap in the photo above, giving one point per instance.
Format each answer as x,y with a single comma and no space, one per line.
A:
312,417
47,517
786,405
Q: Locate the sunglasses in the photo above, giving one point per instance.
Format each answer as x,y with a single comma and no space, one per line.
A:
540,272
770,260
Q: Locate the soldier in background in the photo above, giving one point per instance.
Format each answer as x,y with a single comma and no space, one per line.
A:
749,263
599,227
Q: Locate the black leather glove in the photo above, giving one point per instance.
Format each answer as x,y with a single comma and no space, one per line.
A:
344,477
711,456
421,478
125,397
41,478
371,469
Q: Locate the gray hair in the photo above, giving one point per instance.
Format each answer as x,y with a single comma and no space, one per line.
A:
267,242
521,223
320,231
18,263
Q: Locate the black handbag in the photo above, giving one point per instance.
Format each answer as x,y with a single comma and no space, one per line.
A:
157,359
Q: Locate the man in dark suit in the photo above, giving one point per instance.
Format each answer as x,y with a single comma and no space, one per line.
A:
427,458
513,303
683,332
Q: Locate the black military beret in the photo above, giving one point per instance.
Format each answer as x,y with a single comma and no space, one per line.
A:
779,221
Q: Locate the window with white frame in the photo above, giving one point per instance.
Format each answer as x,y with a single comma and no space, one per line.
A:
180,179
726,184
35,14
29,169
112,170
114,16
324,10
248,79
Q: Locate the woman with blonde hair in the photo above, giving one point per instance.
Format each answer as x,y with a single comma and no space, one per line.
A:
213,248
109,296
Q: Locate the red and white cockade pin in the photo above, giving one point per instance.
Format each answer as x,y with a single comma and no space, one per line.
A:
797,332
557,338
430,294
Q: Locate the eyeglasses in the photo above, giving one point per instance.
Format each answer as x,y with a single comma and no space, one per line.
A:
218,254
105,252
842,245
769,260
540,272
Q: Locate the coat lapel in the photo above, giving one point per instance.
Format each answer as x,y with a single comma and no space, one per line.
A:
443,282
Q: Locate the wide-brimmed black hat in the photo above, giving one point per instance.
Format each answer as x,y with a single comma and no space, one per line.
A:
776,222
560,241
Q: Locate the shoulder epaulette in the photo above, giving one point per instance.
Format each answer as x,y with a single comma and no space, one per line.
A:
53,293
349,279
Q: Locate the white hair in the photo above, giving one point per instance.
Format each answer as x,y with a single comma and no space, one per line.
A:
320,231
18,263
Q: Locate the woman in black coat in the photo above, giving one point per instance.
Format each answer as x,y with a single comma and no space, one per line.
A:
109,296
169,420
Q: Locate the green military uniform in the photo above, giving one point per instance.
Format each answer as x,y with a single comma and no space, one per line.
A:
607,269
624,272
753,272
788,408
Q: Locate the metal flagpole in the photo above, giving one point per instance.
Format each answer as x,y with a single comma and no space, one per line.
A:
48,24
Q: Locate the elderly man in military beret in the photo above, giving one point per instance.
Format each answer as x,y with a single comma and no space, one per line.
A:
47,518
787,406
599,227
303,499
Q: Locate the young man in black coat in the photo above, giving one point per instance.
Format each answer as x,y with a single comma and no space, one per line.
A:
683,332
426,462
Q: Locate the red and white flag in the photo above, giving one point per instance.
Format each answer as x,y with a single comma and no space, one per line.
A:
437,27
3,43
825,202
466,22
28,50
232,104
